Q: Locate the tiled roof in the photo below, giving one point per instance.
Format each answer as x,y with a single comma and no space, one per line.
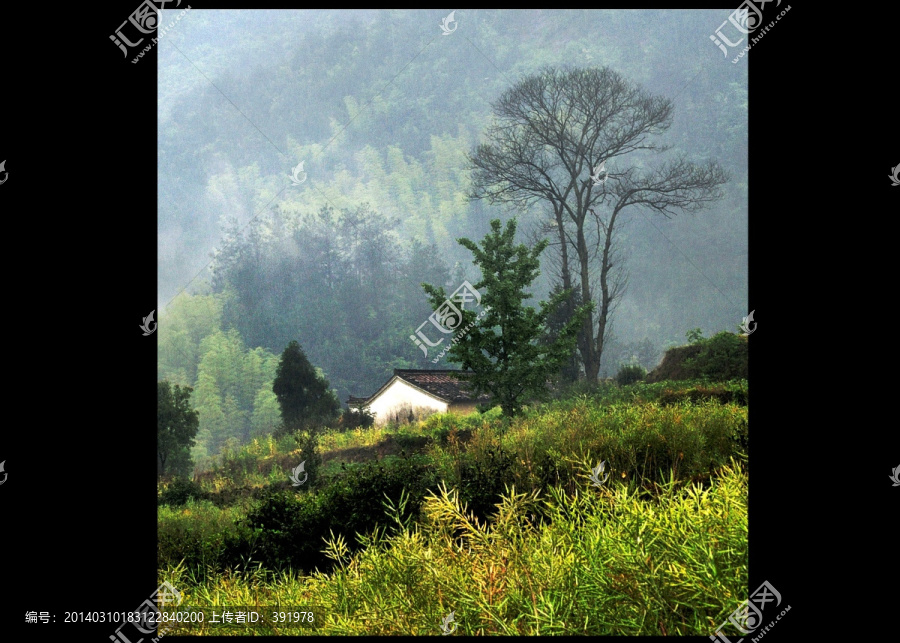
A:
440,383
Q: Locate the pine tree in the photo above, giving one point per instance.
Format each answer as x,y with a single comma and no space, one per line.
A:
304,397
510,352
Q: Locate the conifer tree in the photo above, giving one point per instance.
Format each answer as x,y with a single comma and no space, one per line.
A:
304,397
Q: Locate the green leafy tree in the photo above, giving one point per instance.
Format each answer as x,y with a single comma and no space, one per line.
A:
557,321
176,426
508,351
188,320
694,336
213,425
724,356
266,413
304,396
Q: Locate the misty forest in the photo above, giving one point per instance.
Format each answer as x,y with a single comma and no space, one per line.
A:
326,180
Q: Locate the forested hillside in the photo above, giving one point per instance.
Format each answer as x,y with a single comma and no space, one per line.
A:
382,109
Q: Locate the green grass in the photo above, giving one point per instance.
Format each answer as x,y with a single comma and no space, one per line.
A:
607,562
660,549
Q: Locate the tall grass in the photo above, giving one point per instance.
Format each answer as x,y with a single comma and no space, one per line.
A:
514,539
641,442
606,561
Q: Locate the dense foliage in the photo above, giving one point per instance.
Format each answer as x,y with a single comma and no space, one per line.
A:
176,427
509,353
487,517
629,374
304,396
722,357
645,442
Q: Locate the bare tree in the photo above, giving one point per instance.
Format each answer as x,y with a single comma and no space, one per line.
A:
553,136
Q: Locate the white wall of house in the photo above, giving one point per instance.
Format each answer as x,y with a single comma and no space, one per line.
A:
399,393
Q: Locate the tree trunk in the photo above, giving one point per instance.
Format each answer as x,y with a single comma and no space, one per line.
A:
569,304
606,297
591,358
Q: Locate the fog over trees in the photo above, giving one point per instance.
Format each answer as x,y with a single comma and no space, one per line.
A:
390,125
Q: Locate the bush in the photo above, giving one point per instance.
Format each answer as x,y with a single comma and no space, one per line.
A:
355,419
606,563
721,357
299,445
353,502
207,538
288,528
483,478
674,364
629,374
179,491
733,393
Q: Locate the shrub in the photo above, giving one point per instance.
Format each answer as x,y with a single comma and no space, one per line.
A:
179,491
723,356
725,394
353,502
288,528
674,364
362,418
606,563
483,478
206,538
629,374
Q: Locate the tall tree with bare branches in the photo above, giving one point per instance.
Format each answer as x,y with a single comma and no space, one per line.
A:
582,141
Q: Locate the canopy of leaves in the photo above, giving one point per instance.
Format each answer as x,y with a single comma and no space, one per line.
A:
304,396
176,422
509,351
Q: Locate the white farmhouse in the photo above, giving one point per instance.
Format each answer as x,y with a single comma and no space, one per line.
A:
418,393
